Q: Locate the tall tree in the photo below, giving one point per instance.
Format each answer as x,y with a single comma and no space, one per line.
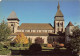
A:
21,39
4,31
75,39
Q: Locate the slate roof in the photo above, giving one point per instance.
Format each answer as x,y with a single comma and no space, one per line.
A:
70,24
36,26
59,13
12,16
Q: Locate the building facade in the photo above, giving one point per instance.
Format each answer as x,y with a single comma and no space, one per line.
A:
33,30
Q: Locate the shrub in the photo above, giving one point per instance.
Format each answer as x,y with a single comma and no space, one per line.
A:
25,45
1,46
49,45
44,45
61,45
17,45
21,39
35,47
55,44
39,40
12,44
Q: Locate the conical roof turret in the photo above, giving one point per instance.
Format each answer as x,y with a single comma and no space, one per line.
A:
70,24
12,16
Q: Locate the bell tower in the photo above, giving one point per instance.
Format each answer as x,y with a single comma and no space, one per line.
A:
13,22
59,21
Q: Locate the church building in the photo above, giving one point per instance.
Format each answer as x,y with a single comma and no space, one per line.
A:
45,31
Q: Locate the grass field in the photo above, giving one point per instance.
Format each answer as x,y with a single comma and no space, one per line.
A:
5,52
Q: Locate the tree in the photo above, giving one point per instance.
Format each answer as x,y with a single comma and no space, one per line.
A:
21,39
35,47
39,40
75,39
4,31
30,41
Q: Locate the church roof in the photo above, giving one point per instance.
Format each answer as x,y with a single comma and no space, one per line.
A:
70,24
59,13
36,26
12,16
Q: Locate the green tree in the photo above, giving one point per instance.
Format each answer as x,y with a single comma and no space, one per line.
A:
30,41
4,31
75,39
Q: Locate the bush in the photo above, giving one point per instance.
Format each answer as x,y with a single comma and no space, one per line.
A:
44,45
61,45
17,45
49,45
12,44
5,46
35,47
55,44
1,46
25,45
39,40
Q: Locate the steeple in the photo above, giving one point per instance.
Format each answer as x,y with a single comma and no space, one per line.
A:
59,13
59,21
58,7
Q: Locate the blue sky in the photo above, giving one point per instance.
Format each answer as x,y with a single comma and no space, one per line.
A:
41,11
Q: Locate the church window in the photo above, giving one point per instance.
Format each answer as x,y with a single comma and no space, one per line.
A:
57,24
30,30
57,29
62,29
11,24
62,24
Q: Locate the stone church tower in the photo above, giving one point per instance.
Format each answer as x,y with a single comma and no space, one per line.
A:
13,22
58,21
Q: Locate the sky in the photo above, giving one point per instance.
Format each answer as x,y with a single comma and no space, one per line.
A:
40,11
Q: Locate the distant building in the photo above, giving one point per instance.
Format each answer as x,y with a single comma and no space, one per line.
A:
68,32
33,30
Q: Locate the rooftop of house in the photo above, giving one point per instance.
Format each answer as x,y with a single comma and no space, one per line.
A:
70,24
36,26
12,16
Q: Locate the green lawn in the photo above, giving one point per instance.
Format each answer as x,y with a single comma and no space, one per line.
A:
19,48
26,48
5,52
47,48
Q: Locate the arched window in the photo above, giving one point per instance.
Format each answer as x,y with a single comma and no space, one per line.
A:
11,24
61,24
57,29
62,29
57,24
